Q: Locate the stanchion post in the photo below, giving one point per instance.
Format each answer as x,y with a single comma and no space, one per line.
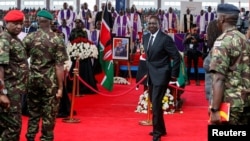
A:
148,121
77,66
71,119
129,72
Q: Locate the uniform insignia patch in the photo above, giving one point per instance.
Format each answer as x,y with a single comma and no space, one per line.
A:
217,43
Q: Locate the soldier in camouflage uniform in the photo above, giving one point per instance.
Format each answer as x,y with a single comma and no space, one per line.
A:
13,77
47,54
230,68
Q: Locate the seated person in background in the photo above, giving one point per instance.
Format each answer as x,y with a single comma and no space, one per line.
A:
191,43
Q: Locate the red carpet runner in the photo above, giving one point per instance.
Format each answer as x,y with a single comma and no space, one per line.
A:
113,118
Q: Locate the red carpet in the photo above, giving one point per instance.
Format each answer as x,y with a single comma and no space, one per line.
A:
113,118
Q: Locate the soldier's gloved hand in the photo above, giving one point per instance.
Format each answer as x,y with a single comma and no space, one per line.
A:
59,93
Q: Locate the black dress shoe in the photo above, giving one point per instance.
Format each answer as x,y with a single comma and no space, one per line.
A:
163,134
156,138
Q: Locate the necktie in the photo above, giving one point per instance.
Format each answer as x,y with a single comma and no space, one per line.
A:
150,43
26,30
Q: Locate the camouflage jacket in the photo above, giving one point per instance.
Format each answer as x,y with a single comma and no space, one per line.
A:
13,58
45,51
230,57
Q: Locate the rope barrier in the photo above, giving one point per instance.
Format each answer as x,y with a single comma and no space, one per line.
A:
132,88
108,95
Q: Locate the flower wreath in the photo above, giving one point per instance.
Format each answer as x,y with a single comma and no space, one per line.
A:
121,80
82,48
168,103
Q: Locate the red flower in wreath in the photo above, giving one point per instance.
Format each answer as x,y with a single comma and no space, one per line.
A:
80,40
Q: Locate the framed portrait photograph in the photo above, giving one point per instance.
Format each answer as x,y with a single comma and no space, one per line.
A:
120,47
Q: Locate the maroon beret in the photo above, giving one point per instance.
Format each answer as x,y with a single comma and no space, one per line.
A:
14,15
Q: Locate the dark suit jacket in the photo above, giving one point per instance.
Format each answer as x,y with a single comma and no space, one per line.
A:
159,59
32,29
185,22
99,18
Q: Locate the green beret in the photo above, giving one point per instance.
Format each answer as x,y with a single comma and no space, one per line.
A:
46,14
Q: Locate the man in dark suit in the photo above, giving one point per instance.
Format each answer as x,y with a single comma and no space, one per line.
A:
159,52
28,28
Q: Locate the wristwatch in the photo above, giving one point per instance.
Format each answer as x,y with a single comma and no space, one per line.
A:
213,110
4,91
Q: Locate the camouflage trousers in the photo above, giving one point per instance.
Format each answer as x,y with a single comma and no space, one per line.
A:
240,118
10,126
42,104
11,119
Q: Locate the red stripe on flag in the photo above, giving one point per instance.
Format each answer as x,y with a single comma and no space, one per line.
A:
105,39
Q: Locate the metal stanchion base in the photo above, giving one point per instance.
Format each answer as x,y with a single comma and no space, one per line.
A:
146,122
71,120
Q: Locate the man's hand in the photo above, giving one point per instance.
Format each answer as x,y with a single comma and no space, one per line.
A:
215,117
59,93
4,101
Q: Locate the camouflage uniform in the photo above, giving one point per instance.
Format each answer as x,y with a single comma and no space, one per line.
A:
230,57
45,51
14,60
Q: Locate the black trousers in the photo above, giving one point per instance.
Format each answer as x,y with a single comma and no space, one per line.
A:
192,60
156,94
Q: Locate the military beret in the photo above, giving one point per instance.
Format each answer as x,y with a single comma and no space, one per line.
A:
14,15
227,9
46,14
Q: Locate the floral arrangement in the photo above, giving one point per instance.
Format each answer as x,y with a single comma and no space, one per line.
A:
82,48
168,103
121,80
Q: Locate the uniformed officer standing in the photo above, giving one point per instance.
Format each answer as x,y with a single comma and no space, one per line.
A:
13,76
230,67
47,54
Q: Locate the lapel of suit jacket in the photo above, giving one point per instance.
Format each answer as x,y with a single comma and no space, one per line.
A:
154,45
156,38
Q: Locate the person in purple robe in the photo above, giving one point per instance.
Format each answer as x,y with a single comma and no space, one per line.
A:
209,16
135,20
66,14
121,25
170,21
65,30
201,23
86,15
